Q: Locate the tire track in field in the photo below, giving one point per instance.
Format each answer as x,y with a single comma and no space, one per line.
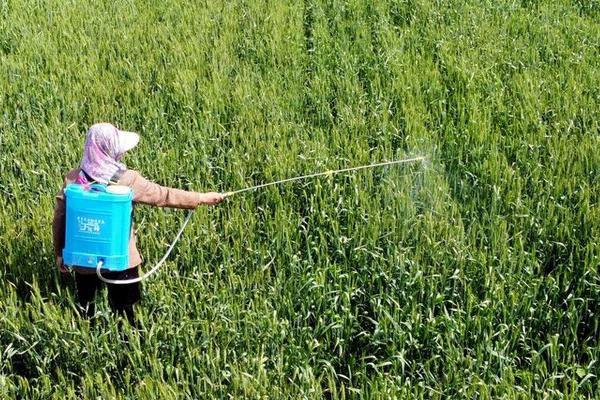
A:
320,100
308,15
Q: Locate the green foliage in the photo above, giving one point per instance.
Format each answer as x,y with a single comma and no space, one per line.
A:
474,275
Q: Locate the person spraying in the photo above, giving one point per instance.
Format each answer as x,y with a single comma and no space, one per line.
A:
101,166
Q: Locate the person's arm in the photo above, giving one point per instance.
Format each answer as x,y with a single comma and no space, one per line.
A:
58,229
148,192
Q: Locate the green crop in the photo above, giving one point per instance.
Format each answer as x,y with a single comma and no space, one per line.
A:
475,275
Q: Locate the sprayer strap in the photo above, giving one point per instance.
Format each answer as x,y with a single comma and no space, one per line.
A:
116,177
114,180
87,176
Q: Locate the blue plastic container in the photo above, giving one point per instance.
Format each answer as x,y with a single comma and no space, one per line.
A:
98,224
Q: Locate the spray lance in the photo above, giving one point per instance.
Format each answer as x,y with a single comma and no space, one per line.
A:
98,223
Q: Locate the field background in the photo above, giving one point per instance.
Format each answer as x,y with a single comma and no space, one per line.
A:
473,275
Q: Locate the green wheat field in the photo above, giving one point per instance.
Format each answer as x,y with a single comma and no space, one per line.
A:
474,274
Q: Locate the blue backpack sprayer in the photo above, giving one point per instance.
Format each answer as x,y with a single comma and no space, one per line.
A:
98,223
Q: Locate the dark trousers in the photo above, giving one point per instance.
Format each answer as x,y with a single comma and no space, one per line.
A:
120,297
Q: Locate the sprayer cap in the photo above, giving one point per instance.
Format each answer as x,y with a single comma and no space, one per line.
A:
118,189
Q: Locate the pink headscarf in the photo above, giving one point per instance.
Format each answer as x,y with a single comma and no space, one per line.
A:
104,147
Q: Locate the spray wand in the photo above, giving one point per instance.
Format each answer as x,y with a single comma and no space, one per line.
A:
239,191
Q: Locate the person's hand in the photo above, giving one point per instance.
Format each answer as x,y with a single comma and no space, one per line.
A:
61,265
211,198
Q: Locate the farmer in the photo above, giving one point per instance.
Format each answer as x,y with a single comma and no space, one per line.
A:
101,163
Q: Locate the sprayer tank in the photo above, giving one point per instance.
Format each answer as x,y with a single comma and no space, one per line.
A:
98,224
